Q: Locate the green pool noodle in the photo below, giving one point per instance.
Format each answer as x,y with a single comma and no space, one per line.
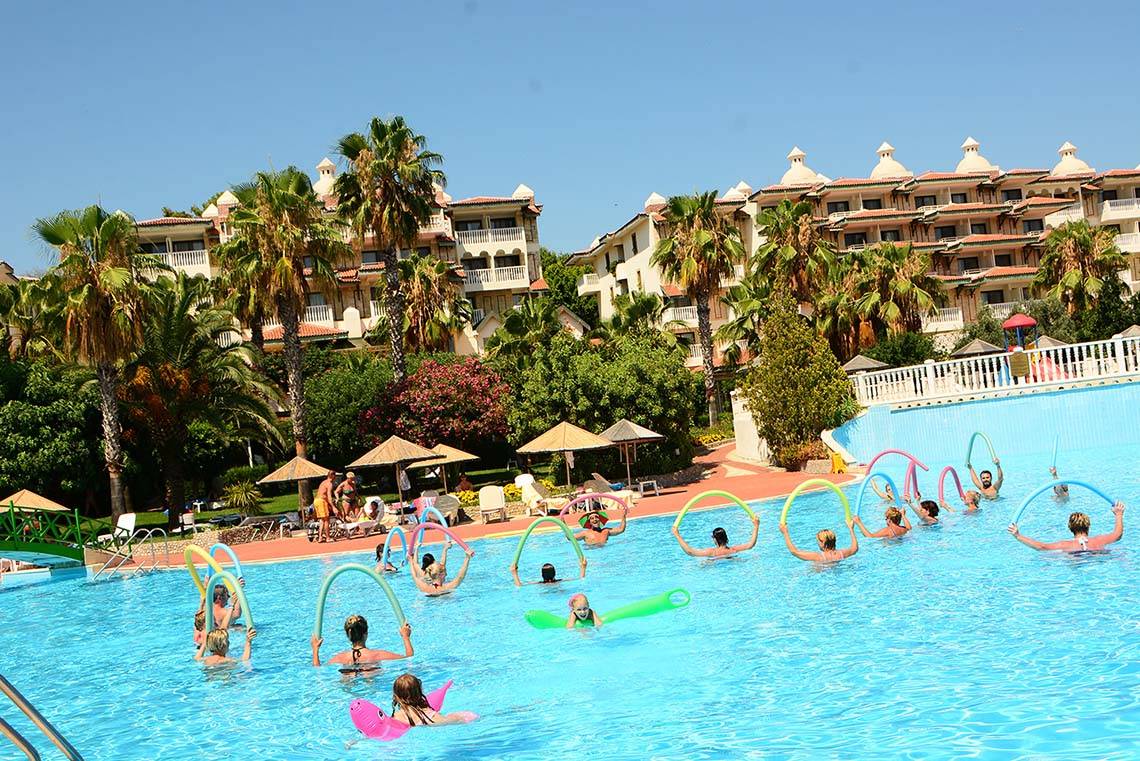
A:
542,619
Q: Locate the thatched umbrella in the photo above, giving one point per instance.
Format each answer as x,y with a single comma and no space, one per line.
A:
28,501
1131,331
565,437
627,435
449,456
862,363
977,348
1048,342
297,469
398,452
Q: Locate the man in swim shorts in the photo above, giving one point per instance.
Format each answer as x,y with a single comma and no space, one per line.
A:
985,480
1079,524
322,505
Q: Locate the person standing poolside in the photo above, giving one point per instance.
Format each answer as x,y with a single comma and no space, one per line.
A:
594,532
464,483
1079,524
826,539
985,480
360,657
897,525
322,505
347,497
720,548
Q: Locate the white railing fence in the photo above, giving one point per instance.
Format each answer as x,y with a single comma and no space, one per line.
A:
497,235
681,314
1062,364
944,316
187,259
319,313
497,275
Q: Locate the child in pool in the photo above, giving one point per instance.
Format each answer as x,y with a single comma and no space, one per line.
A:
218,643
1079,524
897,525
826,539
580,610
410,705
721,548
360,657
549,575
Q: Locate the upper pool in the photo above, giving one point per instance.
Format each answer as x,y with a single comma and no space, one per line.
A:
956,642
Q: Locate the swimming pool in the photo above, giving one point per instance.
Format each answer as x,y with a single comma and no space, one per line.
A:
956,642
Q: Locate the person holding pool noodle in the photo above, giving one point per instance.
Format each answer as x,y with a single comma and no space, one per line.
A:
897,524
721,547
549,574
825,537
985,480
432,579
1079,525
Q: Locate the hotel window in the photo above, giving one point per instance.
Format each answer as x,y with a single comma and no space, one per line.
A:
872,203
640,285
621,252
891,235
463,225
1025,294
967,263
920,201
189,245
633,243
993,297
1011,195
503,223
152,248
316,299
1114,228
1003,260
979,228
1107,195
423,250
834,207
959,198
1033,225
949,231
855,239
769,208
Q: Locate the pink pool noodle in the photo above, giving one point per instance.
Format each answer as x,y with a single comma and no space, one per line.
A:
942,482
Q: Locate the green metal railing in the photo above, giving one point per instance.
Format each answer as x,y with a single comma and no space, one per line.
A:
62,534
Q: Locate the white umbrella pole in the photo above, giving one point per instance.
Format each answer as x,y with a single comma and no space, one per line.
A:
628,477
399,491
444,469
567,459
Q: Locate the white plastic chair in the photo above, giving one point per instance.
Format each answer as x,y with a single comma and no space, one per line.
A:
124,529
492,502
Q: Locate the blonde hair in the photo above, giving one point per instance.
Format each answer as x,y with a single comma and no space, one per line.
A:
826,539
1079,523
894,515
436,569
200,620
356,629
218,641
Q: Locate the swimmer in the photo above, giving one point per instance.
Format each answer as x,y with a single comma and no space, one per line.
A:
887,494
826,539
985,480
580,610
897,525
218,643
410,705
224,611
360,657
970,504
926,509
721,547
431,579
1060,491
549,575
381,565
595,533
199,625
1079,524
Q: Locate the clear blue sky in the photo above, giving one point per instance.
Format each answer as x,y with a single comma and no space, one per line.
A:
137,105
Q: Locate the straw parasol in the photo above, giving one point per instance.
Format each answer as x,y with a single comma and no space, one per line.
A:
398,452
564,437
1132,331
628,434
1048,342
28,501
450,455
297,469
976,348
862,363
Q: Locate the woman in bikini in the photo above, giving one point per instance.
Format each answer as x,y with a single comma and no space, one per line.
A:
431,579
410,705
826,539
360,658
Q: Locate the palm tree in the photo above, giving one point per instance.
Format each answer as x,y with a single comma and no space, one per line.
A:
702,247
836,311
32,319
896,288
97,287
434,303
388,190
182,376
794,255
1078,259
241,288
531,323
636,313
286,248
747,302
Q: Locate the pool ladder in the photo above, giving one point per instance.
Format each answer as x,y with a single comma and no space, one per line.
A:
143,567
67,749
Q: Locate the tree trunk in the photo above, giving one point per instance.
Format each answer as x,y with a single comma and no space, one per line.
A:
394,307
257,334
704,328
289,315
173,482
108,376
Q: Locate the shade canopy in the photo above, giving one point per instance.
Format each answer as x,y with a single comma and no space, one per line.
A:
26,500
394,451
1048,342
297,469
1018,321
446,456
564,437
976,348
1132,331
862,363
628,432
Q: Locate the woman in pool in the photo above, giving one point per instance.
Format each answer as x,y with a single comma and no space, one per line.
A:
360,657
410,705
217,641
897,525
926,509
549,575
580,610
721,547
594,532
383,566
431,578
1079,524
1060,491
223,615
887,494
826,539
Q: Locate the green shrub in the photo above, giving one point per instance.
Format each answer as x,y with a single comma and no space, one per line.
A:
902,349
244,497
244,473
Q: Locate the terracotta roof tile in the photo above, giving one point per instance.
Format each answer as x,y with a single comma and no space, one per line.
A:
1026,171
930,176
1120,173
1008,271
162,221
877,213
476,200
1052,178
847,182
307,330
539,285
1042,201
671,290
995,238
348,275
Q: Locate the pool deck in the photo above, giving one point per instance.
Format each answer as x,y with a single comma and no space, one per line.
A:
723,471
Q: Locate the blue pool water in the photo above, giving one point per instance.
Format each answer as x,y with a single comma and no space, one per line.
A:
956,642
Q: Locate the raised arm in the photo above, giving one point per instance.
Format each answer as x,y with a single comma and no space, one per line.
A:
794,549
882,494
621,526
863,528
406,635
1000,474
974,476
685,546
849,551
582,567
250,633
452,585
1029,542
201,650
315,642
1117,529
418,577
515,575
751,541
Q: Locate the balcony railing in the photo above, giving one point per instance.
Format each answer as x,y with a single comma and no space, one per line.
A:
477,316
1128,242
498,235
1113,358
374,308
437,223
318,313
679,314
949,318
1003,309
695,352
588,283
186,260
1068,214
502,276
1120,208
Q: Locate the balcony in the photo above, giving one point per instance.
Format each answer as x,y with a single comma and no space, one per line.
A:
496,279
1129,243
477,316
321,314
190,262
1002,309
687,315
735,278
485,240
1072,213
589,283
1124,208
438,223
943,320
